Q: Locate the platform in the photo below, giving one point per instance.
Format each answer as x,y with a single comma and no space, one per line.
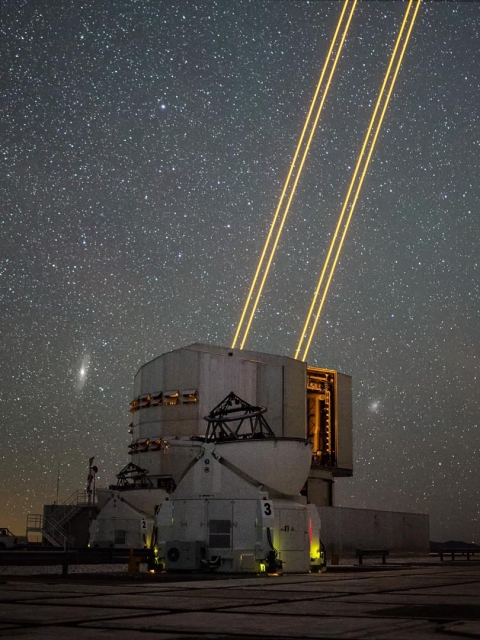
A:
398,602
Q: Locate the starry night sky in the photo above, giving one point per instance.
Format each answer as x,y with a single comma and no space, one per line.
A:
146,144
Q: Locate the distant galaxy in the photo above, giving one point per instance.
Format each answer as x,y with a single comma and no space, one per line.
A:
374,406
82,372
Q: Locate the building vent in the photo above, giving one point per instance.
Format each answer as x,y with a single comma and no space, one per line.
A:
219,534
120,536
183,555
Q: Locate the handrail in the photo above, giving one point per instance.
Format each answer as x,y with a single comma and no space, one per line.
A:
50,529
79,496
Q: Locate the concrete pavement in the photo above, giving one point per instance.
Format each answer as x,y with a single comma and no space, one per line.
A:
397,602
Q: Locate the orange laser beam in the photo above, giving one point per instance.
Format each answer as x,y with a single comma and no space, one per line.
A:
287,182
352,182
357,193
363,174
305,153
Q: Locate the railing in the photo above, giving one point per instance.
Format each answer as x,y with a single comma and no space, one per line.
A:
50,530
79,497
65,516
76,501
54,557
52,527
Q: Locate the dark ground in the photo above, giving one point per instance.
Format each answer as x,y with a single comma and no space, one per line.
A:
411,600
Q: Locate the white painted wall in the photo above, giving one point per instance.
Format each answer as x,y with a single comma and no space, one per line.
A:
276,382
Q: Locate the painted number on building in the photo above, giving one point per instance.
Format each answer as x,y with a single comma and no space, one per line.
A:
267,509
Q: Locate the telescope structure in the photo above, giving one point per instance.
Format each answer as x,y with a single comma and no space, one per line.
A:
231,452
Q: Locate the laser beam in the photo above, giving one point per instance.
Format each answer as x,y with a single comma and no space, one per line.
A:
278,222
330,268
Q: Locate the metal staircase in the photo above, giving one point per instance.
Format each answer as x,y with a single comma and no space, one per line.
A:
52,528
76,501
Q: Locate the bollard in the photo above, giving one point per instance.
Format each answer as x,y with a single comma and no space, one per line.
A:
133,562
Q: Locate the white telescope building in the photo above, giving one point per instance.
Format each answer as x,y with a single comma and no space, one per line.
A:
236,491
